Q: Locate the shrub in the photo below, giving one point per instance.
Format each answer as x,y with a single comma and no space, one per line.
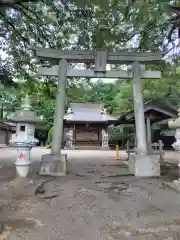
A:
50,133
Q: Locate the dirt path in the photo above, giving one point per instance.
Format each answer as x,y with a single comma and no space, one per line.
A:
98,200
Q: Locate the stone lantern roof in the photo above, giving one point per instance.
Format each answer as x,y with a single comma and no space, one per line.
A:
25,114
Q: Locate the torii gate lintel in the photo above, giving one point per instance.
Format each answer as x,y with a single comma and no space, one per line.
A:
113,57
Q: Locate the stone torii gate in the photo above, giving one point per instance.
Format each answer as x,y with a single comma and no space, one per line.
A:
140,163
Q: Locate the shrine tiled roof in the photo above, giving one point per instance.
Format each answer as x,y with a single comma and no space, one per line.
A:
80,112
154,109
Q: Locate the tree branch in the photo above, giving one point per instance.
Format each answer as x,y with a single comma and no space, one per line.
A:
175,8
14,29
10,3
25,11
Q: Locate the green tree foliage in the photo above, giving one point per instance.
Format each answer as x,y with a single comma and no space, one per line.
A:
50,134
175,20
80,24
130,25
117,97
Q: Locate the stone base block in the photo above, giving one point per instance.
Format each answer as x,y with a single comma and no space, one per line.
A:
54,165
68,148
105,148
144,166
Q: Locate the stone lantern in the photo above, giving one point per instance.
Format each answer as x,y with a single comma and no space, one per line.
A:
175,124
23,140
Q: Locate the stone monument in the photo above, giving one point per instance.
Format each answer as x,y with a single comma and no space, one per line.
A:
105,139
69,140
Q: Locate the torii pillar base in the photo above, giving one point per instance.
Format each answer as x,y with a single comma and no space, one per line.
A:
54,165
144,165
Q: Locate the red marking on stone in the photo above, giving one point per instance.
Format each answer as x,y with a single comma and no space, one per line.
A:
21,155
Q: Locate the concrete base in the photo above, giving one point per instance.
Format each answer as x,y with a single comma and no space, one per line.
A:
54,165
144,166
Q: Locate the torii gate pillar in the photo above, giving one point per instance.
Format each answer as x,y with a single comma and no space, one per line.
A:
55,163
140,163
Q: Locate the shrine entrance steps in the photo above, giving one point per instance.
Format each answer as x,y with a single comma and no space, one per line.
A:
88,147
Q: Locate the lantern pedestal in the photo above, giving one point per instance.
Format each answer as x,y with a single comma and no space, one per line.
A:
22,169
54,165
23,160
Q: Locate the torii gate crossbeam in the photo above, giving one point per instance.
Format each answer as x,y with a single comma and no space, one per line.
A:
140,164
53,72
115,57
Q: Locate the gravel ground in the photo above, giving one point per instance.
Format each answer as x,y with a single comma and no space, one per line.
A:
97,200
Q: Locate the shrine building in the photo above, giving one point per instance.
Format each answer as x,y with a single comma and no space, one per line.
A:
85,126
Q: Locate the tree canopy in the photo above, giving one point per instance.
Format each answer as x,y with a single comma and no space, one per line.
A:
83,24
128,25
